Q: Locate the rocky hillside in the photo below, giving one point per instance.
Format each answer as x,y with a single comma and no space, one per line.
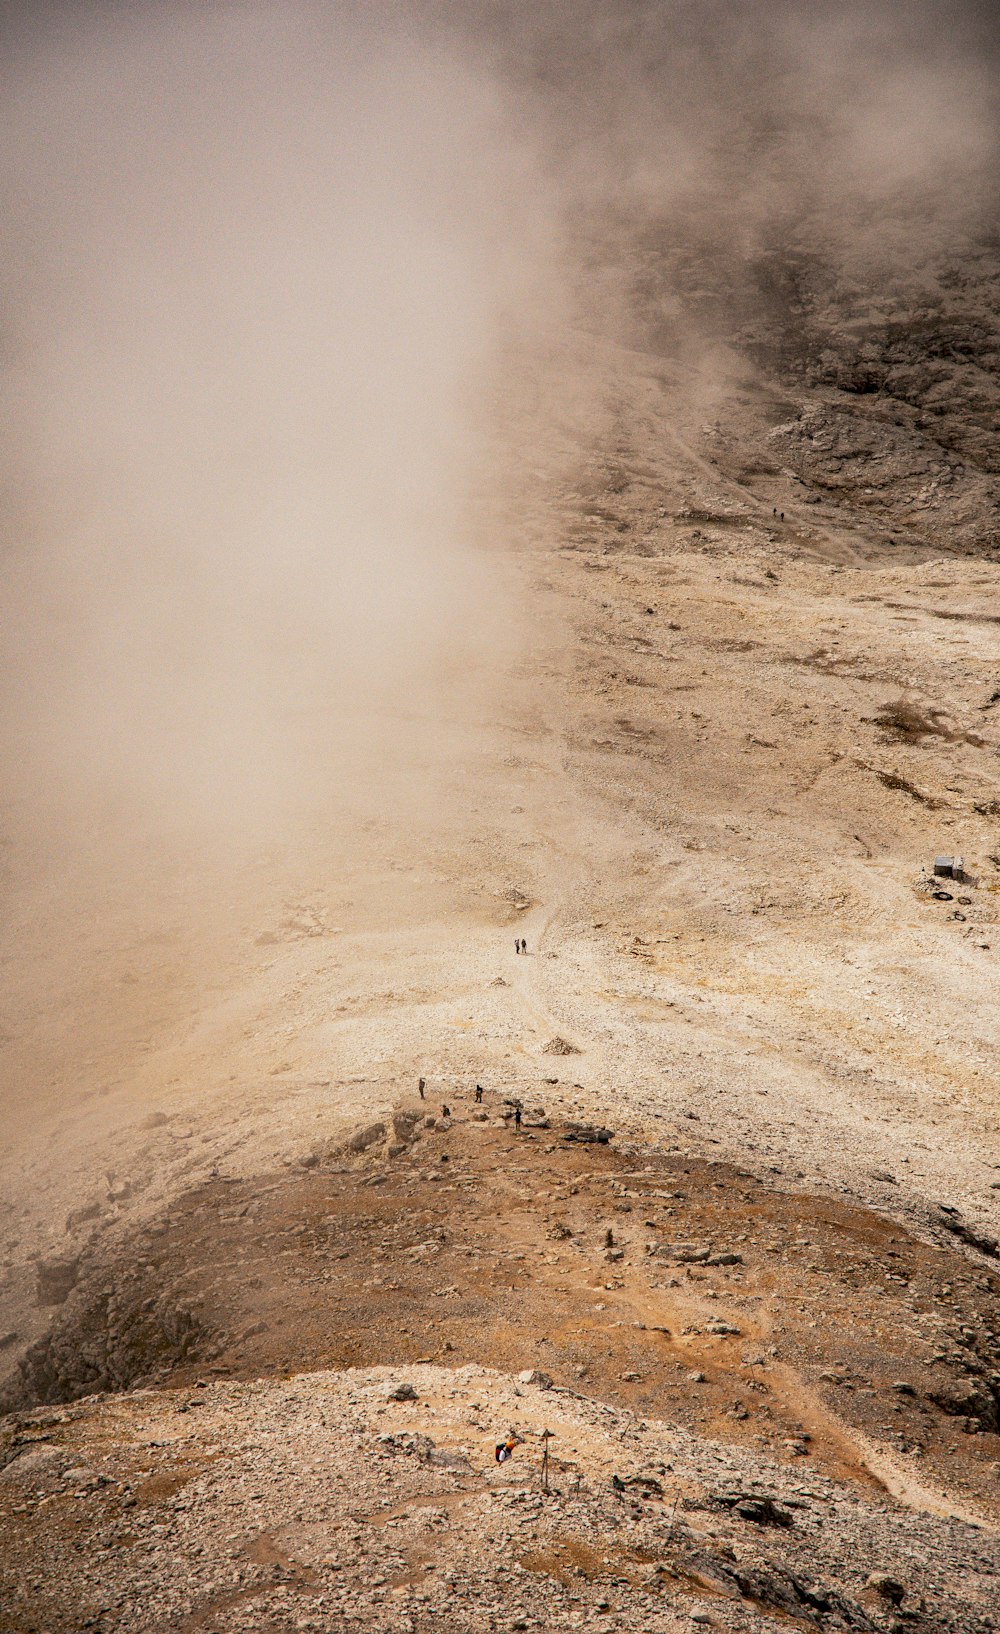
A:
587,1061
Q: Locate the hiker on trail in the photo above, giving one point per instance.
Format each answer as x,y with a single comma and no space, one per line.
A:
446,1111
518,945
479,1092
421,1085
524,945
517,1117
505,1449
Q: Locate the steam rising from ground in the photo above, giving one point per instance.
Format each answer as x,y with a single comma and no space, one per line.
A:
258,260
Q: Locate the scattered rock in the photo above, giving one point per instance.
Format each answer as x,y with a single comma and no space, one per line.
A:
647,1485
364,1138
532,1375
400,1392
441,1458
756,1507
681,1253
888,1588
560,1046
588,1134
762,1512
81,1478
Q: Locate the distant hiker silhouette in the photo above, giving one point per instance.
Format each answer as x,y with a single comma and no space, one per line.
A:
479,1092
421,1086
446,1112
517,1117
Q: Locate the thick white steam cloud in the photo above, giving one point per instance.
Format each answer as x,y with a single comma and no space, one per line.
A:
258,259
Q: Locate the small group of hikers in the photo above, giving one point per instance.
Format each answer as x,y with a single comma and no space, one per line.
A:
422,1092
446,1110
520,946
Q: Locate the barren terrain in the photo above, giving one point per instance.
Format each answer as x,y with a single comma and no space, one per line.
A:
266,1311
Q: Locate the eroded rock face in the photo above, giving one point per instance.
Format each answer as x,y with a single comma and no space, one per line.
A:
56,1280
977,1400
895,380
405,1126
774,1587
114,1334
30,1468
369,1136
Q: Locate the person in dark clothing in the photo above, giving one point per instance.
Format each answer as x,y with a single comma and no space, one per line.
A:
479,1092
421,1086
517,1117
